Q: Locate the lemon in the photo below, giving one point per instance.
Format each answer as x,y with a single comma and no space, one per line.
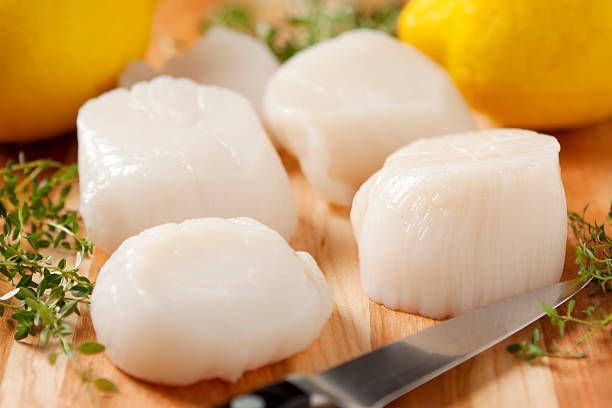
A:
54,55
525,63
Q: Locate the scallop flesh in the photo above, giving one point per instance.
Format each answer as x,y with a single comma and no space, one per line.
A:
343,105
207,298
222,57
171,149
453,223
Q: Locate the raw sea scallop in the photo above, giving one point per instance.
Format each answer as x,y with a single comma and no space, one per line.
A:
222,57
230,59
169,150
453,223
207,298
343,105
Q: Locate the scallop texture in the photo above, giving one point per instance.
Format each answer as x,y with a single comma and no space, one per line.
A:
207,298
169,150
344,105
453,223
230,59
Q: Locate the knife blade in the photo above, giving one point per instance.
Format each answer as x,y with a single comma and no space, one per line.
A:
383,375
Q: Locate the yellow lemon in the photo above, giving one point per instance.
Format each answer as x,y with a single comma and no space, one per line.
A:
54,55
525,63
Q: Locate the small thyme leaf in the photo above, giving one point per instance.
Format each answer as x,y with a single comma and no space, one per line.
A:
514,348
549,310
44,335
26,293
594,257
68,308
535,337
21,333
534,350
105,385
570,307
45,314
90,347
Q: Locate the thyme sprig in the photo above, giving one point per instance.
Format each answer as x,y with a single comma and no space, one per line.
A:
594,250
44,292
594,257
315,21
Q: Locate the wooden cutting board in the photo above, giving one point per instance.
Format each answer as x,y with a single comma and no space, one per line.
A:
493,379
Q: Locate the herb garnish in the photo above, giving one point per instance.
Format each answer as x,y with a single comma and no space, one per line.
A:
315,21
44,292
594,255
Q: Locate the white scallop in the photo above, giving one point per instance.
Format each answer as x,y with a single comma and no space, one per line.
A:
222,57
207,298
169,150
343,105
453,223
230,59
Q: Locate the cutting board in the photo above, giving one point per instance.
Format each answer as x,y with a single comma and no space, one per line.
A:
357,325
493,379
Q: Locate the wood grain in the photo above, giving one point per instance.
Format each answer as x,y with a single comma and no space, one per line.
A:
492,379
357,325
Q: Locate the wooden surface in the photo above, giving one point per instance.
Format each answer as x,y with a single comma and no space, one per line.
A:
357,325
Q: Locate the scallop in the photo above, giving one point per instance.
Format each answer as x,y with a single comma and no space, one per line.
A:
169,150
221,57
343,105
207,298
453,223
230,59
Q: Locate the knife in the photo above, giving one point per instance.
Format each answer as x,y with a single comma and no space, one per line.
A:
383,375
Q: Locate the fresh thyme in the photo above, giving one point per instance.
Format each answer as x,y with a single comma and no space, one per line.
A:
316,21
44,292
594,255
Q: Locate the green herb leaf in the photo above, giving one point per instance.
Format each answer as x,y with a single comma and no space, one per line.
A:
535,337
549,310
534,350
68,309
515,348
105,385
594,257
90,347
33,216
570,306
81,290
21,333
45,314
44,335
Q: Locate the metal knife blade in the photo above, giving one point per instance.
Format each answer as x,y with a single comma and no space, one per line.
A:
383,375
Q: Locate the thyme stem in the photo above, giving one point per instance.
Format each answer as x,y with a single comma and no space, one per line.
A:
594,256
44,292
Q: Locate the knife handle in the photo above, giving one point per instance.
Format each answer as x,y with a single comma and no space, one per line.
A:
282,394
